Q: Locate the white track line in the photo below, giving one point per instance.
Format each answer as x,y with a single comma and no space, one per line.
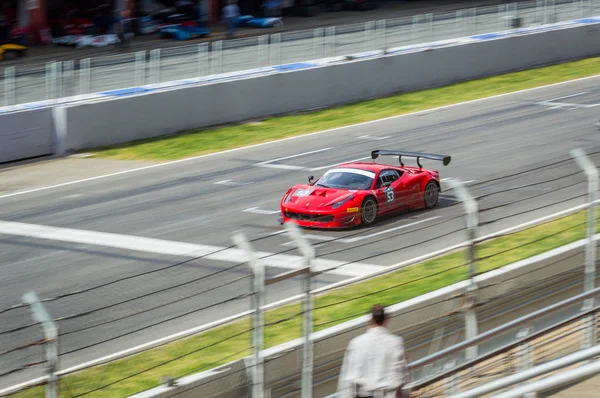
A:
268,163
337,164
256,210
190,250
304,136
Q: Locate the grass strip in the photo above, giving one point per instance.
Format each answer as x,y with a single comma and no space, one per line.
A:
212,348
212,140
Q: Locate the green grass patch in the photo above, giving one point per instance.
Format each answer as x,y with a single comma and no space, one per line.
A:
218,139
215,347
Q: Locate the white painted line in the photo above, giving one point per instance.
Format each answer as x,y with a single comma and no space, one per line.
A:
304,136
337,164
191,250
373,137
565,96
269,163
558,105
231,183
256,210
281,166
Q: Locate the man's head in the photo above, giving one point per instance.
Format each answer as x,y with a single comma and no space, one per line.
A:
378,317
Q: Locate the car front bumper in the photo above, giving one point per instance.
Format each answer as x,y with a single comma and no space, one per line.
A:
338,218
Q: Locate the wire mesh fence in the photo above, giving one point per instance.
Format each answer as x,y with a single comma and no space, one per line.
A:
167,296
62,80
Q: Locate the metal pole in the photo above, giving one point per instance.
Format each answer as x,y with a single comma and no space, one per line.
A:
9,86
258,272
85,76
40,315
590,253
308,252
140,68
471,210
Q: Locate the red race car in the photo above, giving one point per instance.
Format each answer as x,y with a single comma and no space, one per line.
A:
357,193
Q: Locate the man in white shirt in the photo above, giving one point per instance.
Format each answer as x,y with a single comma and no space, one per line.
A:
375,362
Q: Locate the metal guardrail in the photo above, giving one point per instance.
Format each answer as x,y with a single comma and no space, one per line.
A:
542,385
25,84
562,344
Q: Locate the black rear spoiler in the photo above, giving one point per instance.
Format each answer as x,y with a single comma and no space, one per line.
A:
441,158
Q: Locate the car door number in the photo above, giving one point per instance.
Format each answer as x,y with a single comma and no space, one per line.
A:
390,195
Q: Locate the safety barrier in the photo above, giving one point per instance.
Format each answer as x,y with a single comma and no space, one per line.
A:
166,111
166,108
27,134
528,285
21,84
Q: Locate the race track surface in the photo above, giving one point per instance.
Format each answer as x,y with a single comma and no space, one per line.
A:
192,208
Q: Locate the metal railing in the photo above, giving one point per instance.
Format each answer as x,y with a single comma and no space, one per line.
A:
530,348
529,354
25,84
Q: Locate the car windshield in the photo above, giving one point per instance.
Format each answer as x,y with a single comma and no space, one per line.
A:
347,179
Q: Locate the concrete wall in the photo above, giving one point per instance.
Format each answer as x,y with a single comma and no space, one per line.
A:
158,113
508,293
26,134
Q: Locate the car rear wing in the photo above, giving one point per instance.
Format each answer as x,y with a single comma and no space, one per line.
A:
445,159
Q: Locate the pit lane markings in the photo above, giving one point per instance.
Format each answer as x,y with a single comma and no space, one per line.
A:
181,249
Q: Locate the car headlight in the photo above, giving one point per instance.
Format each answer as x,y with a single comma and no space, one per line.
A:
340,203
288,198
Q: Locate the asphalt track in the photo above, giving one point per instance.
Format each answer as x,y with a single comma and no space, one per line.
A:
201,202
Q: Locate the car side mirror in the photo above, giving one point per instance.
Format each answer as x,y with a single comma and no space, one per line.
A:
311,179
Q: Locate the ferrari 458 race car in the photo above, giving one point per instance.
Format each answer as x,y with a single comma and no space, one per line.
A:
357,193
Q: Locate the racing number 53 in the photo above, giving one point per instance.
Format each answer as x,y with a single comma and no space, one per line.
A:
390,195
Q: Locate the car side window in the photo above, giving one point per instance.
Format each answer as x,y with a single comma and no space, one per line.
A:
387,176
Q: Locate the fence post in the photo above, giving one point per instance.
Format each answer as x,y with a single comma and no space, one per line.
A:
258,281
263,51
51,80
524,351
40,315
381,32
471,210
318,43
85,81
140,68
590,253
154,71
308,254
9,86
330,50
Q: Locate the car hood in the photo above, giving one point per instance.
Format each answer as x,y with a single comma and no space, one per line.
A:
316,197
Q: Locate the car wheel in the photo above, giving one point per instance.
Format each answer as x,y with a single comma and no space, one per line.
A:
368,211
431,195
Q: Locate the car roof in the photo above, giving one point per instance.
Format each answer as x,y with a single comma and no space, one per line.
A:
375,167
